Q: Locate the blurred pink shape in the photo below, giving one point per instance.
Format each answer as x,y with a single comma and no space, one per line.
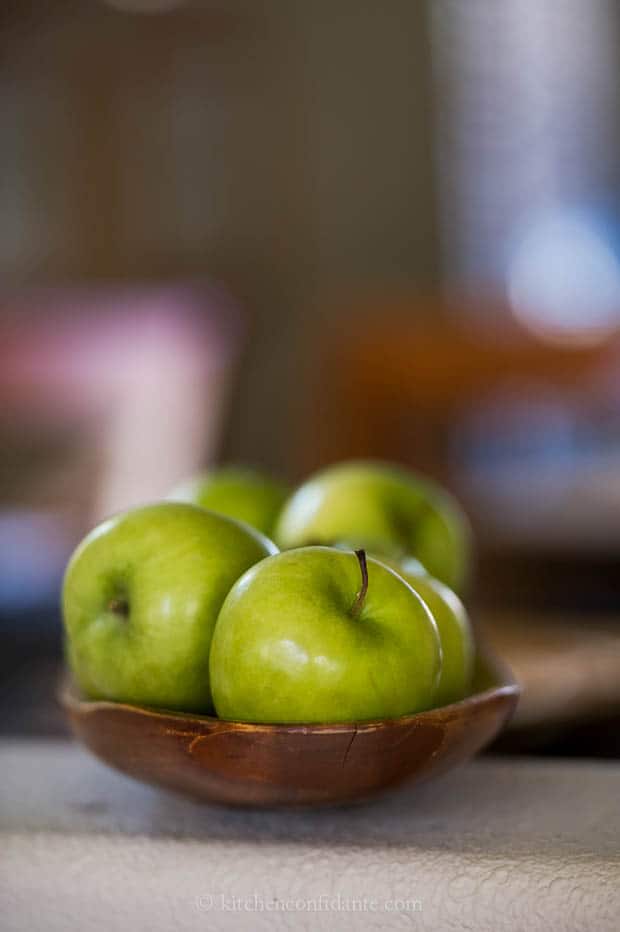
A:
143,373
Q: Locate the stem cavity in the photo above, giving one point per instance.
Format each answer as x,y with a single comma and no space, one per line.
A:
360,598
119,607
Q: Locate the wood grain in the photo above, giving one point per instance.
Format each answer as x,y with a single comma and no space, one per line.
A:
283,765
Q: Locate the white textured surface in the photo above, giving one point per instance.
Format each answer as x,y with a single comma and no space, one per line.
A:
498,845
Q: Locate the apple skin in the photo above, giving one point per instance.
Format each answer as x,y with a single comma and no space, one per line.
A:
287,647
386,510
244,494
455,631
140,600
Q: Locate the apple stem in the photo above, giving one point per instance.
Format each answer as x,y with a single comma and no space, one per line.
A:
358,605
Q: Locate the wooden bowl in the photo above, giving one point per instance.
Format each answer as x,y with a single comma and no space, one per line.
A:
287,765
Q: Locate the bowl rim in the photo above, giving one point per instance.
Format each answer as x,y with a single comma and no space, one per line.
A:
506,687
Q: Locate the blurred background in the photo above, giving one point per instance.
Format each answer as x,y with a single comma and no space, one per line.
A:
288,232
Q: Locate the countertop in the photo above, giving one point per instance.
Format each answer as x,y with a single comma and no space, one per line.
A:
501,844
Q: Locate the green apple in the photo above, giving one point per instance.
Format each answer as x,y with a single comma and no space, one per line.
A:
318,635
140,600
406,567
384,509
455,632
240,493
